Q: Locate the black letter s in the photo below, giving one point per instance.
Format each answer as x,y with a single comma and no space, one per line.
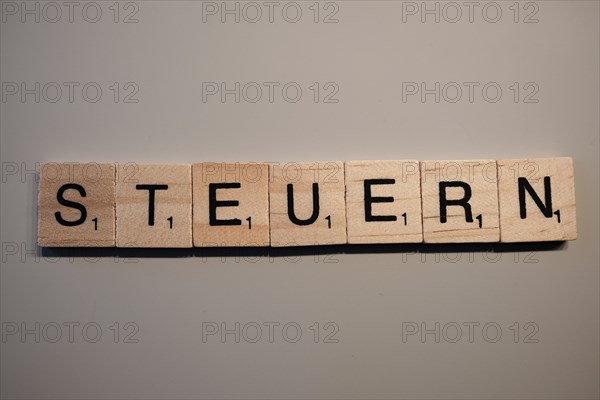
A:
67,203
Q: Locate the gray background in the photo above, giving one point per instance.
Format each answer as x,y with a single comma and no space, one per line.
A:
370,293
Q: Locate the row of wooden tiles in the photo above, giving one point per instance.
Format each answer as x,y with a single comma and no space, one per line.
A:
296,204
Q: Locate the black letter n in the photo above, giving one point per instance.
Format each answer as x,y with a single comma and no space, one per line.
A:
546,208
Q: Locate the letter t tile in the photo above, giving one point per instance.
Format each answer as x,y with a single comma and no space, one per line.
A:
154,205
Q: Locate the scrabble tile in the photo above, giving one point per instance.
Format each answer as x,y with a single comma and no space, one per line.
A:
307,205
231,204
76,205
154,205
537,200
383,202
460,201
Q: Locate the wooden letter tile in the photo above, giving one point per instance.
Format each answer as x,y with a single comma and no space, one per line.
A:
460,201
537,200
231,204
154,205
76,205
307,204
383,202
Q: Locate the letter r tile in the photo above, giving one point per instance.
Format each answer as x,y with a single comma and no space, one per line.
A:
307,204
231,204
460,201
154,205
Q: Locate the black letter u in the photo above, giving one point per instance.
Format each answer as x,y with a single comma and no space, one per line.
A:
315,211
